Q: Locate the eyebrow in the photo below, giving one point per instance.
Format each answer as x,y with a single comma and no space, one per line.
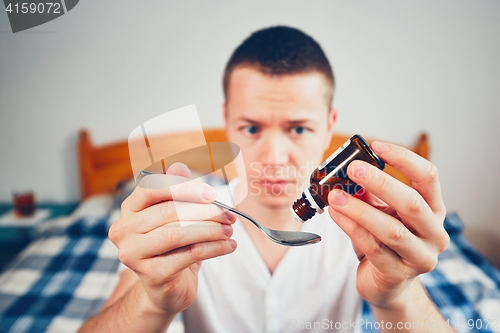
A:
248,120
299,121
290,122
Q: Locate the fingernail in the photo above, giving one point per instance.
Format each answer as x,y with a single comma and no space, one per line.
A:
230,216
209,193
380,147
360,169
227,229
232,242
338,197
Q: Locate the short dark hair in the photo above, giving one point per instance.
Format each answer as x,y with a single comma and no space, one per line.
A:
279,50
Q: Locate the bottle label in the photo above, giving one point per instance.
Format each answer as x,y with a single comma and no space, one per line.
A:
338,167
335,153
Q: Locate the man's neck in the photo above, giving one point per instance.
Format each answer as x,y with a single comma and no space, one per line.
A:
271,217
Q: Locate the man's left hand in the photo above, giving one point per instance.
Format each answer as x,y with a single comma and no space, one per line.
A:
397,230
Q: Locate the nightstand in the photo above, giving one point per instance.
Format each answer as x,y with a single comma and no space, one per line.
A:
15,237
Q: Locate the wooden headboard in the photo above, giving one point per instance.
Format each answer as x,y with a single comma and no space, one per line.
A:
103,167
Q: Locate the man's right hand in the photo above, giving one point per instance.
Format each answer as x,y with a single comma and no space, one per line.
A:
165,255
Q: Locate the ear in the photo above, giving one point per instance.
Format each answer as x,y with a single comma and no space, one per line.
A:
225,115
224,112
332,120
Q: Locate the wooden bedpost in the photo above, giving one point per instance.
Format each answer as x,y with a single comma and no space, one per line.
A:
422,147
84,162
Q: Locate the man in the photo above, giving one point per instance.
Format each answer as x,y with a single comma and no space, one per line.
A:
278,86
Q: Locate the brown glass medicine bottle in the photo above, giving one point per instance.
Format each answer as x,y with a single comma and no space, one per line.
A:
331,174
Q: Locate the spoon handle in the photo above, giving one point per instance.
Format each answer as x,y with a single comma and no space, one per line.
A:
145,173
234,210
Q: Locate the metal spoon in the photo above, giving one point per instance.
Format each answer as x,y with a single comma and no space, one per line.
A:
283,237
288,238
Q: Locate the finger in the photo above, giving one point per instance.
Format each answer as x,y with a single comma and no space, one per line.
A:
423,174
180,259
179,169
382,257
386,229
173,236
376,202
169,211
167,187
406,201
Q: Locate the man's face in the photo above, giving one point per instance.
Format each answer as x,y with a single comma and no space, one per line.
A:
282,124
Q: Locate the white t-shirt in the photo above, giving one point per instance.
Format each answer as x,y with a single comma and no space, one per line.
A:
312,289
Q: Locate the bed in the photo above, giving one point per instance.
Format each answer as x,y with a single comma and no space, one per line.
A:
70,268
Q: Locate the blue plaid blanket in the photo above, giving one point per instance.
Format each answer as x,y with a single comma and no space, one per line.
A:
68,272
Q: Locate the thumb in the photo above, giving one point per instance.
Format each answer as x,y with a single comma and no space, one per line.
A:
179,169
358,252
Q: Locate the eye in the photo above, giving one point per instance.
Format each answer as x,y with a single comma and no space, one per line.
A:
298,130
251,129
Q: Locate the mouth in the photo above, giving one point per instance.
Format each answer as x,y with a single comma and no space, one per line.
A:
277,186
276,181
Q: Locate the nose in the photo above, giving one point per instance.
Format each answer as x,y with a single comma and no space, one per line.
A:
274,149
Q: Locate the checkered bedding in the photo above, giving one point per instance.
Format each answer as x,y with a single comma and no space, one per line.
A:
70,269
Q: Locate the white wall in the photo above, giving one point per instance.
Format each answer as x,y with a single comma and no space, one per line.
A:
401,67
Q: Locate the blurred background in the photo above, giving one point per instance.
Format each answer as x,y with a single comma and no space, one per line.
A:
401,68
